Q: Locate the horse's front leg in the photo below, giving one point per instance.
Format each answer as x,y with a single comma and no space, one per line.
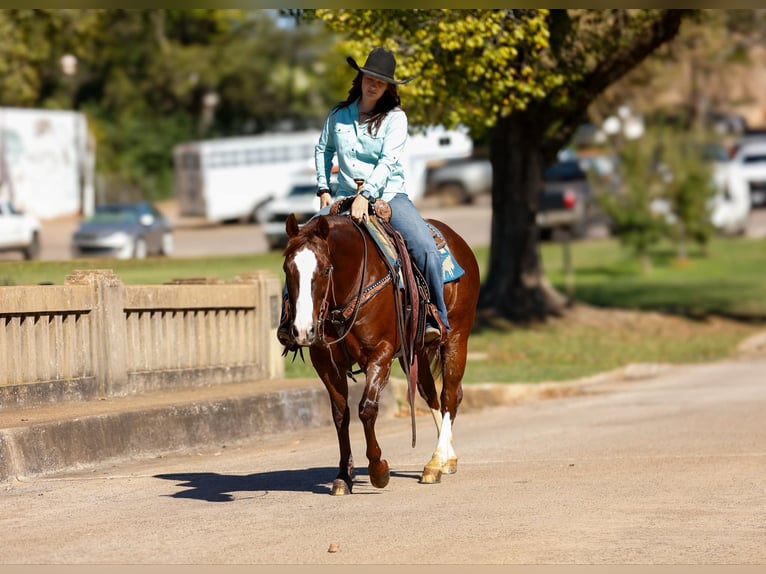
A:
333,375
377,371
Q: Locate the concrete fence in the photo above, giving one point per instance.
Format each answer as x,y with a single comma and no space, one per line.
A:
95,337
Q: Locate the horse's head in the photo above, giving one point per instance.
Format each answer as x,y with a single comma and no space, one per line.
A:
308,276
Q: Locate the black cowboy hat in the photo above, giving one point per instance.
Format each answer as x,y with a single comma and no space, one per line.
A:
380,64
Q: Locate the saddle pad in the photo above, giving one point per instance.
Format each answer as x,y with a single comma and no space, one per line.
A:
450,268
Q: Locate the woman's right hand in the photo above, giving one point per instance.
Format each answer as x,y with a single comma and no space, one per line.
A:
324,200
359,208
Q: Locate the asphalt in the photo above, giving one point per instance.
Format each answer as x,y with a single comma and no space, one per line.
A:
57,438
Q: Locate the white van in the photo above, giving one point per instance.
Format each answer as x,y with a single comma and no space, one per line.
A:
732,204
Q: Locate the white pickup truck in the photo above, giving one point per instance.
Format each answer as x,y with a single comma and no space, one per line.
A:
19,231
460,180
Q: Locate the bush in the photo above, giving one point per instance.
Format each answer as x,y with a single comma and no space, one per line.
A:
634,222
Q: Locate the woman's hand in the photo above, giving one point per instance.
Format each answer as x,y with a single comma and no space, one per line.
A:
324,200
359,209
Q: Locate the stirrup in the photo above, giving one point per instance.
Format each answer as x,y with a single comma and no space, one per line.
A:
431,334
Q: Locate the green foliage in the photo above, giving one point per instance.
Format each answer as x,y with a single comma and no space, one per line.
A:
470,66
688,189
137,163
667,191
630,207
144,76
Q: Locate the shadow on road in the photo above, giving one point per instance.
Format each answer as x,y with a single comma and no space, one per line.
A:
213,487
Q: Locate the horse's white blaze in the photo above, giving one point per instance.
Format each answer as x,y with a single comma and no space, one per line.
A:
444,448
306,264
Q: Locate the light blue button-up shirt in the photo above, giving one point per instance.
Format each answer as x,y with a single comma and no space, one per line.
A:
375,157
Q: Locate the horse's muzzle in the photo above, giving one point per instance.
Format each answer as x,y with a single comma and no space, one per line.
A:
305,337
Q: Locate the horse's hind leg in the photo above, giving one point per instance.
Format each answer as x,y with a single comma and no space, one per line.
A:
336,383
432,472
448,374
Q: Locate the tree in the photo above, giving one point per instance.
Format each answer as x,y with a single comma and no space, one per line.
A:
706,69
634,220
688,189
148,79
526,79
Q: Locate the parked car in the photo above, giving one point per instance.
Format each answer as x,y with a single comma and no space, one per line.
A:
300,200
566,201
460,181
747,171
730,206
19,231
124,231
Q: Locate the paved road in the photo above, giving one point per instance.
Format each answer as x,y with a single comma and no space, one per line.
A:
193,238
669,470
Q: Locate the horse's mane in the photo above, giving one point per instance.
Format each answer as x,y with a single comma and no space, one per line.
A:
307,234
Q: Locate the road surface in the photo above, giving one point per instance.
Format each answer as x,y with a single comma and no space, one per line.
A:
194,238
669,470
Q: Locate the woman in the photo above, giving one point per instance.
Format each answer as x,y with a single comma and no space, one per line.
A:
367,132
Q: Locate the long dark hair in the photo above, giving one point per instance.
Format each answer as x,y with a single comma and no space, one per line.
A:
387,102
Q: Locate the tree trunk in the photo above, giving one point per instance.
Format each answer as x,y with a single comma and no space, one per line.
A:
515,287
521,145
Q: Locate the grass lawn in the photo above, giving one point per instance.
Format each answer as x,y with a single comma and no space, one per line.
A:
730,281
677,313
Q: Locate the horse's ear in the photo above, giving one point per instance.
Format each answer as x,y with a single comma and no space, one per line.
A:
322,228
291,225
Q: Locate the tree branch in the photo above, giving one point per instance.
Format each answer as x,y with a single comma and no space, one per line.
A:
618,62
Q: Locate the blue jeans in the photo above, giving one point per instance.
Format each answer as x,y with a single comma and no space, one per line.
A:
406,219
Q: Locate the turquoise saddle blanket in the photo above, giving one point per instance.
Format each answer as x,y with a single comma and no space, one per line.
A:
451,269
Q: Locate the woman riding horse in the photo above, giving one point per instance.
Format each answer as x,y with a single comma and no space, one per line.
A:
368,132
342,298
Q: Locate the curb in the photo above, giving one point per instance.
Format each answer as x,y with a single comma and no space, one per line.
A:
99,433
477,396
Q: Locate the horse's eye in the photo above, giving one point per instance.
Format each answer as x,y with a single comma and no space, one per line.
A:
326,271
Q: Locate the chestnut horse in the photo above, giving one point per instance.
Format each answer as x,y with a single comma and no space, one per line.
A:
328,264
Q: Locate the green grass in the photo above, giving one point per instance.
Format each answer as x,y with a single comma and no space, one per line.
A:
731,281
687,310
589,342
153,270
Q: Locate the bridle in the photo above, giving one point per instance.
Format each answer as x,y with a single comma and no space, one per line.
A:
326,313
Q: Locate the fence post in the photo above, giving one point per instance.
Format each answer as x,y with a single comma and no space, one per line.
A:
108,333
268,306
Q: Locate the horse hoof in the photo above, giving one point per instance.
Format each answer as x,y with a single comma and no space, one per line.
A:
431,476
340,487
450,467
379,474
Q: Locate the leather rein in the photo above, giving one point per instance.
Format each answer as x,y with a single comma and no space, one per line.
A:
339,315
349,310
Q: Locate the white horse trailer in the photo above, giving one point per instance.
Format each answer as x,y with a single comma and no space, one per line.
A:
230,179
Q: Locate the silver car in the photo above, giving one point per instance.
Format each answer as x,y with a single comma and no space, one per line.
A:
301,200
123,231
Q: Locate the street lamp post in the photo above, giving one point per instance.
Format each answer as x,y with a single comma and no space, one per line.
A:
68,63
210,102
